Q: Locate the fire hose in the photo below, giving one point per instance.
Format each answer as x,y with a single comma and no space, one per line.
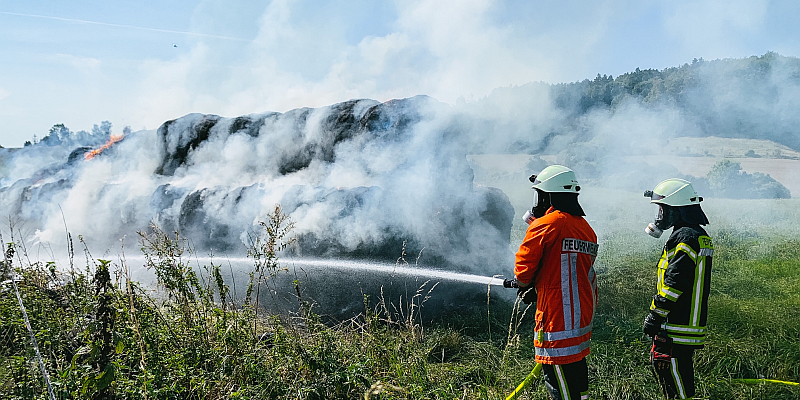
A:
537,369
535,373
762,380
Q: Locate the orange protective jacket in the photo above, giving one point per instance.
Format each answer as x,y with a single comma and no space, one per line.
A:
558,254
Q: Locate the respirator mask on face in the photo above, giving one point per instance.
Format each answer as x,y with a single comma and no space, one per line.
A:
541,203
528,217
666,218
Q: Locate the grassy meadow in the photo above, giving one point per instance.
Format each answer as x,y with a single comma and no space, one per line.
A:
102,336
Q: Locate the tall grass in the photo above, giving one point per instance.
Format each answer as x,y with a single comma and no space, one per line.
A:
754,320
105,336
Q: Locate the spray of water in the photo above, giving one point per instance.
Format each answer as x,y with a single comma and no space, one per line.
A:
353,266
394,269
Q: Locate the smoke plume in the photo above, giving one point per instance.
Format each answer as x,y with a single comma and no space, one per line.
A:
366,179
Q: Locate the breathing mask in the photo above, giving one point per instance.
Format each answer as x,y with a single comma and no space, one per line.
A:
541,203
528,217
666,218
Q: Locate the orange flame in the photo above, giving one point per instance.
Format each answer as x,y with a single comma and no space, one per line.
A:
94,153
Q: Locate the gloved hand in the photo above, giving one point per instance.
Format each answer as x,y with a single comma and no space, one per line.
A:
652,324
527,294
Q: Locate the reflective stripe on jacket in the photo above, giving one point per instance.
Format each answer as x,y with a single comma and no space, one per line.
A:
684,281
559,250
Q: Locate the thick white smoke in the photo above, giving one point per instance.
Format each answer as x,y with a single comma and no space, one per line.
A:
358,178
361,177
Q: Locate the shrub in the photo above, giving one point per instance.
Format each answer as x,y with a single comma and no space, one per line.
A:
727,179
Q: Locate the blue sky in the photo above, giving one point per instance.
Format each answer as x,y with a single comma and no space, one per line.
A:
140,63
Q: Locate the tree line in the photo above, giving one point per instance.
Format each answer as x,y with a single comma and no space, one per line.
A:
59,134
754,97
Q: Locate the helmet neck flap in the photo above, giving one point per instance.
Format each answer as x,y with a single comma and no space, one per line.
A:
568,203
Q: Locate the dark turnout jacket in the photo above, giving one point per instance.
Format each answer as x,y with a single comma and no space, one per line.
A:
684,281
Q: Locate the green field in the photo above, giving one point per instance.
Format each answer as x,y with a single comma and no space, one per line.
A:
101,340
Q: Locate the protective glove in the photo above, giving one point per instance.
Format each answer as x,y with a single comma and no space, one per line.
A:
527,294
652,324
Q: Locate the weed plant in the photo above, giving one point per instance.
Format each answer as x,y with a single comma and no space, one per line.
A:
104,336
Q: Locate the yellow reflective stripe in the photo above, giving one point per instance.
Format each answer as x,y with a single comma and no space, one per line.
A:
562,382
699,279
669,293
686,335
686,249
662,267
660,311
691,341
677,377
685,328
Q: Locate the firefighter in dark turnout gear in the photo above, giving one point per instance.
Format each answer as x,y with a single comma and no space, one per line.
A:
677,318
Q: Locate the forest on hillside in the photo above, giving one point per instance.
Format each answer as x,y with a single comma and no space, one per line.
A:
756,97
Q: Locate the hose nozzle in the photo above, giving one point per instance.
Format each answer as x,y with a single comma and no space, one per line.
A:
510,283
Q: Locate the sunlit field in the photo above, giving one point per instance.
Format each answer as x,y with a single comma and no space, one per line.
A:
101,336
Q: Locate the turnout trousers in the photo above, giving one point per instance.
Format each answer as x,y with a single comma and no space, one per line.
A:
567,381
674,369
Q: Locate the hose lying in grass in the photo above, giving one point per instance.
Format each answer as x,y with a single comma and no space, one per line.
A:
535,373
760,381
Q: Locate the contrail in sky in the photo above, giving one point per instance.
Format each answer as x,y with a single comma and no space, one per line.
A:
82,21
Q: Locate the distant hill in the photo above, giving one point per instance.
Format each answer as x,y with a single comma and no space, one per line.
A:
713,146
754,98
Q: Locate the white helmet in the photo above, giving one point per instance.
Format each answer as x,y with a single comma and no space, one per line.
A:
674,192
556,179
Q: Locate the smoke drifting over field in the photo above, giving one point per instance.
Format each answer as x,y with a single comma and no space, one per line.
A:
361,177
617,132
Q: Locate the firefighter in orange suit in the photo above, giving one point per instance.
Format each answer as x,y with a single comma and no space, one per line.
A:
554,269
